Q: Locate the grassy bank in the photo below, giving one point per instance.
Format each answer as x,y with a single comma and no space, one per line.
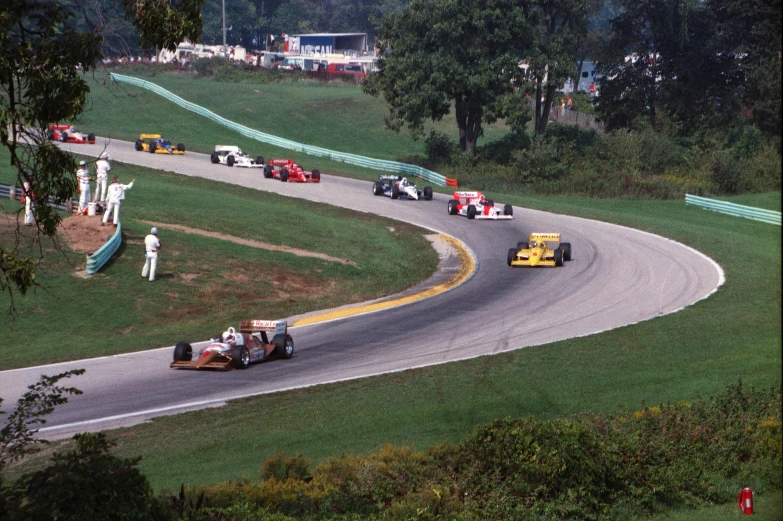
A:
114,311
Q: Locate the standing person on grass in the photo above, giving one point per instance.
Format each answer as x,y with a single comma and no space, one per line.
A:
114,195
83,176
151,247
102,168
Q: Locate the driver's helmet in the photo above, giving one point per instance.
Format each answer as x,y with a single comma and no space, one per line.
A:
404,181
228,335
482,199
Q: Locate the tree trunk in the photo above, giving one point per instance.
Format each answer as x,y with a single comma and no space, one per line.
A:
579,66
542,109
469,124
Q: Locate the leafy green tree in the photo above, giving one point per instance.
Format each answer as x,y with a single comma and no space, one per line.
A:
44,51
241,16
443,53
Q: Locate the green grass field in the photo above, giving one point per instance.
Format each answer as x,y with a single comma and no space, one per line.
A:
735,334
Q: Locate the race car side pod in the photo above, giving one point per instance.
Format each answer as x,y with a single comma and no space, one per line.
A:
450,181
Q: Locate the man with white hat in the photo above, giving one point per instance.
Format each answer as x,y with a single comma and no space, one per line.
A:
102,168
151,247
115,194
83,177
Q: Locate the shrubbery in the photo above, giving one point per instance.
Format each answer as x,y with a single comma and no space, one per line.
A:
583,467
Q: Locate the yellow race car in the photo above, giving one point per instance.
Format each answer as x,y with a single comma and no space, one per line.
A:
544,249
155,144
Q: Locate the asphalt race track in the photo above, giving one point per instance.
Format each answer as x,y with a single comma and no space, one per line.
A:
617,276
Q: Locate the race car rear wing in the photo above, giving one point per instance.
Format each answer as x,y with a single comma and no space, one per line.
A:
278,327
389,177
467,195
538,237
59,126
149,136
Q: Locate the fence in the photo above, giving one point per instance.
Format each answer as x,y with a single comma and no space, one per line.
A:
738,210
365,162
571,117
95,261
13,192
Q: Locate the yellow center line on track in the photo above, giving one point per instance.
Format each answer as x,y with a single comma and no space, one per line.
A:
467,266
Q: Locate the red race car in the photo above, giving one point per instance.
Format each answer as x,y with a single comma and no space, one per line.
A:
288,171
68,134
474,205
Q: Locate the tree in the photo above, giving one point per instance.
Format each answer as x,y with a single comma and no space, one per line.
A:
45,49
440,53
241,17
559,26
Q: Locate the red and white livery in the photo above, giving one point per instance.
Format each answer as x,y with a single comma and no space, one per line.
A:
286,170
474,205
68,134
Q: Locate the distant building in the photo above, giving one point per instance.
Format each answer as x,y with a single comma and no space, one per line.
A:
347,44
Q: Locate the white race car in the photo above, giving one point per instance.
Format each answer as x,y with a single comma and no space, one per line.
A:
396,186
232,156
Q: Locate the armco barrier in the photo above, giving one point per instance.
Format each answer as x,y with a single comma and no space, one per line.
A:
366,162
95,261
738,210
5,193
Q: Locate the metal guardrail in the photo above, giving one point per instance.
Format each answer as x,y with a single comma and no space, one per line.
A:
737,210
95,261
366,162
5,193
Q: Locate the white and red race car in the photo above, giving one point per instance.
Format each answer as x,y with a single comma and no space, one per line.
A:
68,134
474,205
286,170
238,350
230,155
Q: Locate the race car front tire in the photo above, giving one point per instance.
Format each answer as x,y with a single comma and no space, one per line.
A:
512,254
558,257
317,174
260,160
284,346
427,193
471,211
139,145
508,210
453,207
240,357
523,246
181,147
566,247
183,352
284,175
268,171
230,160
91,138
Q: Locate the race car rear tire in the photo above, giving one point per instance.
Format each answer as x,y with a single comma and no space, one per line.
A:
50,135
230,160
566,247
181,147
508,210
268,171
395,192
139,145
512,254
427,193
91,138
317,174
284,346
558,257
63,136
153,146
183,352
453,207
260,160
471,211
240,357
284,175
377,189
214,158
523,246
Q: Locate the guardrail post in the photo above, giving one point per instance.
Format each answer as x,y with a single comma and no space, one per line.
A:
12,192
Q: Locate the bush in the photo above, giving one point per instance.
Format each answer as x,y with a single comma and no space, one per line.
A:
546,159
439,148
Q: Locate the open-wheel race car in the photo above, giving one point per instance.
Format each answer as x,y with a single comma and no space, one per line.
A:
286,170
238,349
474,205
68,134
544,249
155,144
396,186
230,155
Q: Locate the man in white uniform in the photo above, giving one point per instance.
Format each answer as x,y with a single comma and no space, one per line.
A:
151,247
83,177
114,195
102,168
28,196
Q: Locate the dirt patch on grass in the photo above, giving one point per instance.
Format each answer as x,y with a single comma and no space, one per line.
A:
84,234
249,242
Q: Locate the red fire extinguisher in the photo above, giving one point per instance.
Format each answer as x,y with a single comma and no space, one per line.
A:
745,501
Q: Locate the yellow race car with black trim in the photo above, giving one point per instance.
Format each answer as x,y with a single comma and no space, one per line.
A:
155,144
544,249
